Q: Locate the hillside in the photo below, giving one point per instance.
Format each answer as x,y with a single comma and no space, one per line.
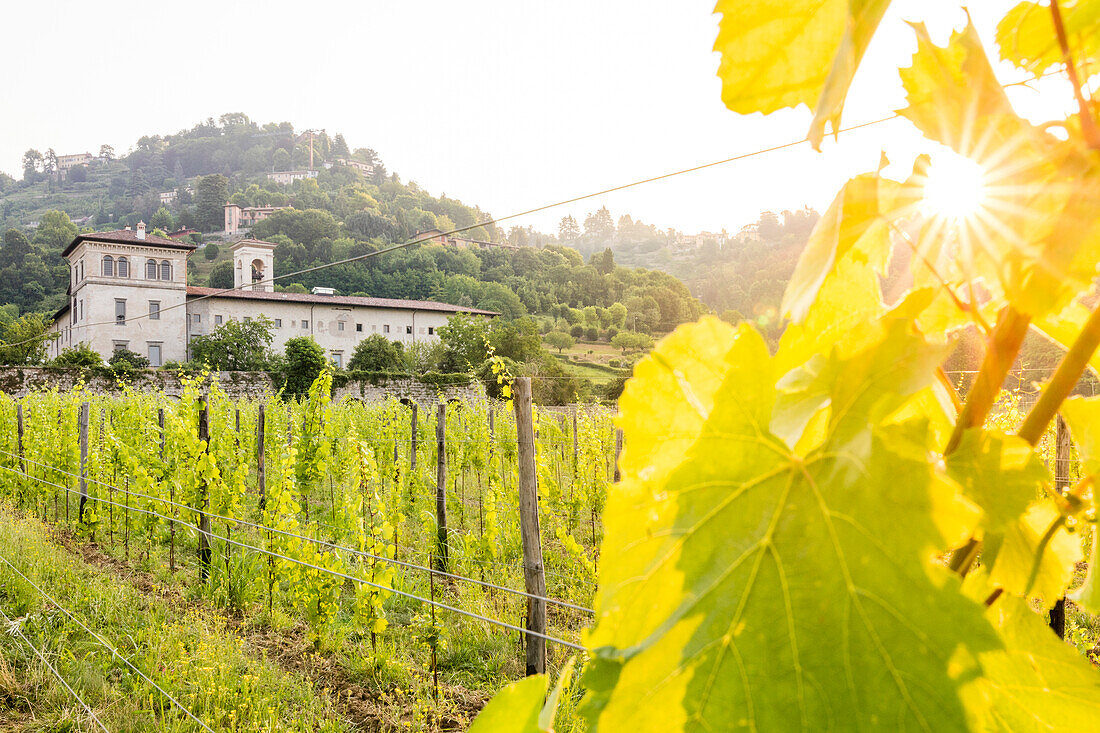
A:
345,211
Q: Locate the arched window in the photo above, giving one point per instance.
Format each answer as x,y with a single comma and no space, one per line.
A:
123,267
109,266
257,270
150,269
165,270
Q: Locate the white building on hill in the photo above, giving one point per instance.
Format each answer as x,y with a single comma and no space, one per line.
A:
128,290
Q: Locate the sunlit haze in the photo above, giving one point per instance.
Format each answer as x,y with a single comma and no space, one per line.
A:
506,105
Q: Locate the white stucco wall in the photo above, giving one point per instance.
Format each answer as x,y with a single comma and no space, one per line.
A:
94,295
322,322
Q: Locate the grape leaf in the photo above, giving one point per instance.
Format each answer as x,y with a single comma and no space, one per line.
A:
1035,682
856,221
1000,473
783,53
1026,35
515,709
729,559
1082,415
1036,556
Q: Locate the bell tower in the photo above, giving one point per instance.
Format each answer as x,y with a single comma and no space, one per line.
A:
253,263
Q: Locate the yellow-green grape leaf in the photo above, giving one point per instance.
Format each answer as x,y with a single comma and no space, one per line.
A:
744,586
1063,327
515,709
550,709
855,221
1035,557
1000,473
1082,416
1036,682
1026,35
783,53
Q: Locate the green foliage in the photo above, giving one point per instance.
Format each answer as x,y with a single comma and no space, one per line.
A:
235,345
221,274
211,194
305,359
211,251
24,339
82,355
559,340
124,360
376,353
631,341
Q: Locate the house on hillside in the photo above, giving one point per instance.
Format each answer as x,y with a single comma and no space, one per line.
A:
66,162
288,177
365,168
128,290
438,237
238,218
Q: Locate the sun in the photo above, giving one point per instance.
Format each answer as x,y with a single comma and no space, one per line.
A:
955,187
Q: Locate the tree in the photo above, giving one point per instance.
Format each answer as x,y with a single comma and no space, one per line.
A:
55,231
106,152
221,275
559,340
24,339
376,353
211,195
631,341
304,361
16,247
32,160
235,345
576,331
599,227
49,161
211,251
280,160
568,230
163,219
340,147
465,340
604,262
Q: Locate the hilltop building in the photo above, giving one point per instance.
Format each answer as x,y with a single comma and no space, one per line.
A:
128,290
365,168
243,217
65,162
288,177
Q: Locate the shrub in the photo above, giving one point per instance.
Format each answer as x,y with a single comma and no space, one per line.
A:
80,355
211,251
611,333
577,331
592,333
125,361
376,353
304,361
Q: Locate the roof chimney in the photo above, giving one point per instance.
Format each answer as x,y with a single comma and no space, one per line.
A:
141,230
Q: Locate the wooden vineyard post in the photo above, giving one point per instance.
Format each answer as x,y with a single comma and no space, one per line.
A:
534,575
618,452
204,500
19,433
576,443
441,485
83,427
1063,448
412,441
261,465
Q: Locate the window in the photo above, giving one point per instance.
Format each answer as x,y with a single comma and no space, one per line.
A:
74,310
120,312
431,331
81,304
120,345
339,325
150,269
165,270
154,355
109,266
358,327
408,329
248,319
305,324
217,320
278,323
386,328
123,267
154,310
338,359
196,318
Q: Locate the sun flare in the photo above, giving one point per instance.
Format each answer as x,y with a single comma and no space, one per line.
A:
955,188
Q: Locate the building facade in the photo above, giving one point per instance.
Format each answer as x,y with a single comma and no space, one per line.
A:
65,162
238,218
288,177
128,290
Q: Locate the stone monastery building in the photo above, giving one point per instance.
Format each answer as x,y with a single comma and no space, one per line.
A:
128,290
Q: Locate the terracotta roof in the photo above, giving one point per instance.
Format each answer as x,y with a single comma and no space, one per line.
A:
125,236
419,305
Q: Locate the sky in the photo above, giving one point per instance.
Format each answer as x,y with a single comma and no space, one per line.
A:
506,104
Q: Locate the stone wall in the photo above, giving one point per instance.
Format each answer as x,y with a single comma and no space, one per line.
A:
19,381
